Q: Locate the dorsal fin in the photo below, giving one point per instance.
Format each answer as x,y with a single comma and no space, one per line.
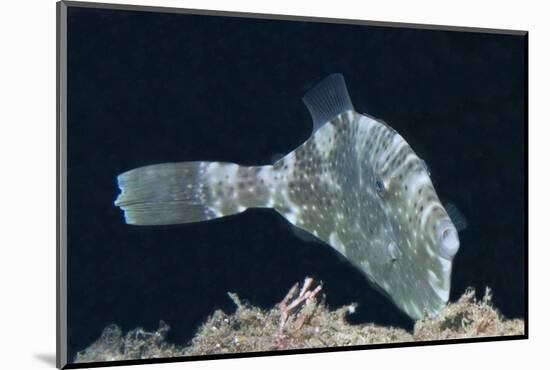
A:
327,100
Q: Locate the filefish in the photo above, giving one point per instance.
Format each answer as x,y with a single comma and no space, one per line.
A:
355,184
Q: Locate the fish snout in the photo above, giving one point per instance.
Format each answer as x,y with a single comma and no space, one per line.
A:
448,239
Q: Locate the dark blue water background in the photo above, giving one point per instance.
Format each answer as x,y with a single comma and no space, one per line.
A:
147,88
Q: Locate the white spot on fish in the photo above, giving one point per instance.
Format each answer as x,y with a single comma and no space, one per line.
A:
324,142
291,217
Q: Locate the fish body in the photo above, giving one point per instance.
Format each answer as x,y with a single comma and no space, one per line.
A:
355,184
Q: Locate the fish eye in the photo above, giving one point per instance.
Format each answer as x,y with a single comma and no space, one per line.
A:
380,186
448,239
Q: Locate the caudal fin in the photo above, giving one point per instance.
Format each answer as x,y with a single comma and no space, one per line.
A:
176,193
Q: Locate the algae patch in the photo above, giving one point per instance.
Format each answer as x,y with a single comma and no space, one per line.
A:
299,321
468,318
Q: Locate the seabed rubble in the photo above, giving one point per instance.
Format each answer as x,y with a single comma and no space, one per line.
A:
301,320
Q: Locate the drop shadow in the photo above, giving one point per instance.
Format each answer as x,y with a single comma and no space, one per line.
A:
47,358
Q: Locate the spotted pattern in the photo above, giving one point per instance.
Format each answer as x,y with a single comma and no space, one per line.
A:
327,187
357,185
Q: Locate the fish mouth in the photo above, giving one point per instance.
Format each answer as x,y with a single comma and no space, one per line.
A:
448,239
